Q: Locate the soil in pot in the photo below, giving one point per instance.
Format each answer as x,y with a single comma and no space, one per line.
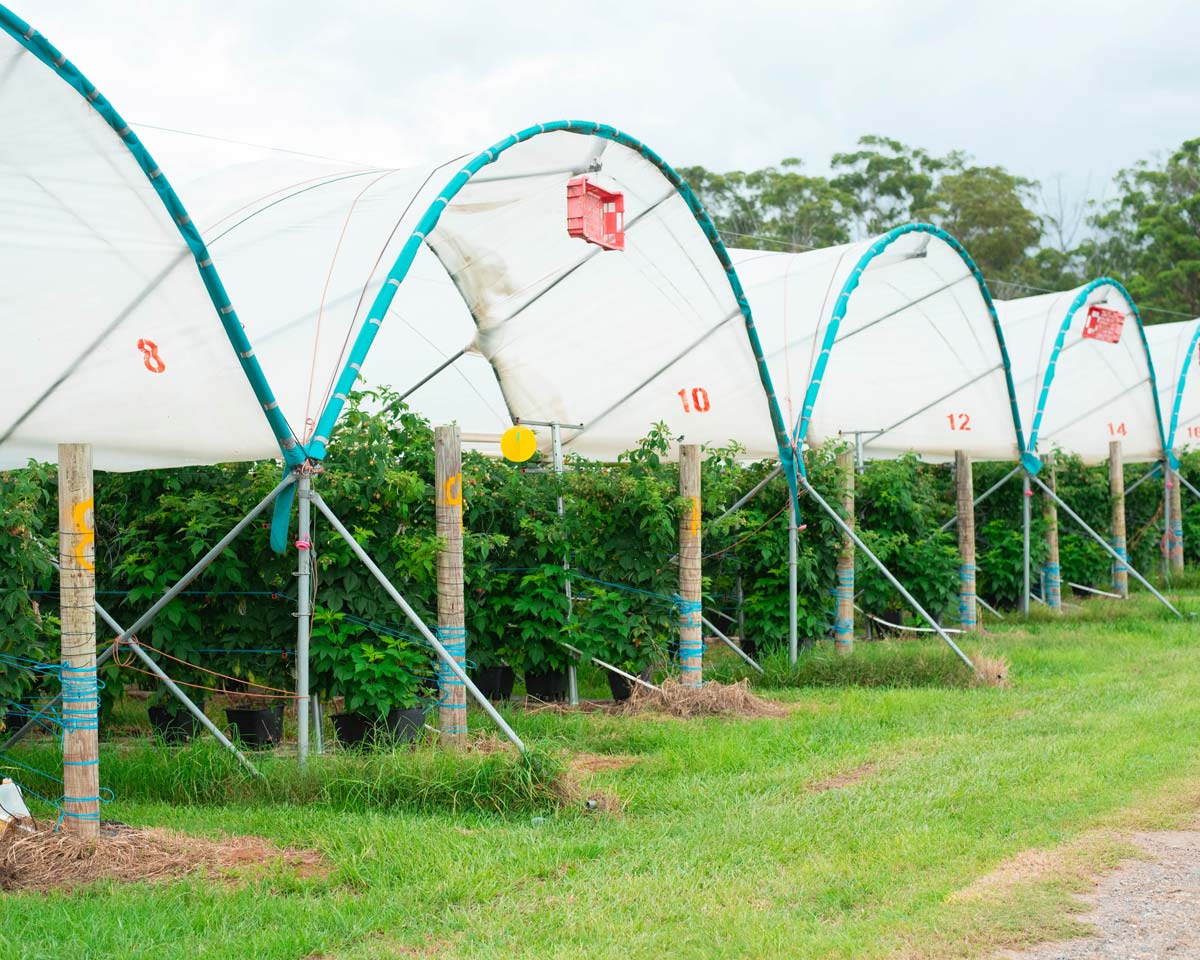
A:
256,726
173,727
495,683
358,729
548,686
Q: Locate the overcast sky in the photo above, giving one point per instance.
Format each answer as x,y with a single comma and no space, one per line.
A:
1048,89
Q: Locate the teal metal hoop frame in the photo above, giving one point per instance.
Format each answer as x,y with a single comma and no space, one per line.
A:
429,221
1076,304
843,304
1180,385
49,55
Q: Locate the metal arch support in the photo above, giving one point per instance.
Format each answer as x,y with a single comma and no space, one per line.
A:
429,222
1105,544
416,621
900,588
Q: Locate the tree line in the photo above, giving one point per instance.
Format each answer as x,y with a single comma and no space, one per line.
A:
1027,237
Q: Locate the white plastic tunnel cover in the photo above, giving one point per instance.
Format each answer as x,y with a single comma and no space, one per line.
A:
111,335
1083,372
893,338
1173,348
517,320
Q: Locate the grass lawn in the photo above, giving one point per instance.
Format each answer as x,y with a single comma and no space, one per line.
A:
725,847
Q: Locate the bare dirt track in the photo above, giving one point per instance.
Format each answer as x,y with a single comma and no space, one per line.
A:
1145,909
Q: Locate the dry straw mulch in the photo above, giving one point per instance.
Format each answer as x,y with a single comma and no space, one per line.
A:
710,700
993,671
46,860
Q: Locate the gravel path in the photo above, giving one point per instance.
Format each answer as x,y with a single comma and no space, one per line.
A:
1146,909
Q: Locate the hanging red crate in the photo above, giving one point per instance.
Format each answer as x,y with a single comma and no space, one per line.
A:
1103,324
595,214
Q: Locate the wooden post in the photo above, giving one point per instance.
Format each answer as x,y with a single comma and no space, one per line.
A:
1116,484
691,639
1051,570
452,624
77,609
1175,491
965,499
843,623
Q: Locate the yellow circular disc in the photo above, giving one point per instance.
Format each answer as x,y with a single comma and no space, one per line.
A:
518,444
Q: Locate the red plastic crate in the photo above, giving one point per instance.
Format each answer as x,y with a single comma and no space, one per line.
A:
595,214
1103,324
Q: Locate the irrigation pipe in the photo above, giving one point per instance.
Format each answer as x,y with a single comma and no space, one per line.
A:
608,666
1101,593
1105,544
729,643
901,626
900,588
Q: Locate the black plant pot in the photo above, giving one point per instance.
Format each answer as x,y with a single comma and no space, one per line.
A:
495,683
173,727
548,686
399,726
256,727
621,688
14,720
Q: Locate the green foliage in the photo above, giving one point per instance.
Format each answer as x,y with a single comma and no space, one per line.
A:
204,774
1023,238
1150,232
27,518
373,672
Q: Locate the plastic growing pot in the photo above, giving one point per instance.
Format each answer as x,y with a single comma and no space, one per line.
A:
173,727
495,683
621,688
548,686
399,726
256,727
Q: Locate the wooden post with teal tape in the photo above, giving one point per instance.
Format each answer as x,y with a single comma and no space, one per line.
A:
968,609
843,623
691,638
452,624
77,609
1053,573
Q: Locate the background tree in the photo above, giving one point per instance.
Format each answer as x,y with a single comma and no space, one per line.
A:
1150,234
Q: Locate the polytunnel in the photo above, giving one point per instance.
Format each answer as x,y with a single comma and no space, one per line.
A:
1173,347
893,339
344,270
143,355
1083,372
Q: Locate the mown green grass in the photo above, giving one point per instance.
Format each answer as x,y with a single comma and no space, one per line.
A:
724,848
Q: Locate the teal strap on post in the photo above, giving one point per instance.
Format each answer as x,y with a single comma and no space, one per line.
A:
43,50
1052,591
842,305
966,596
80,698
1118,545
843,627
691,641
454,639
429,221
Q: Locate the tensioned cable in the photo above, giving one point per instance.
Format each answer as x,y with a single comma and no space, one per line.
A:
243,143
374,267
337,249
1141,309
